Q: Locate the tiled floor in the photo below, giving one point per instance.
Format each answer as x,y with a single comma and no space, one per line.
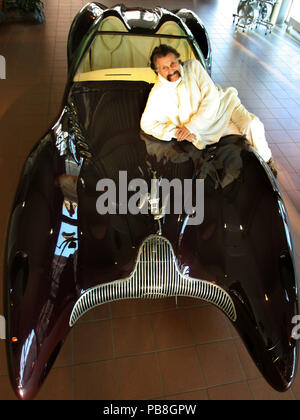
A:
151,349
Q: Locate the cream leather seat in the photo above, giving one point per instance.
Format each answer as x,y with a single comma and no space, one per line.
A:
118,51
179,44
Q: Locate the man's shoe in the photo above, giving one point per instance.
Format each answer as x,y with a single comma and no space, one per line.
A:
272,167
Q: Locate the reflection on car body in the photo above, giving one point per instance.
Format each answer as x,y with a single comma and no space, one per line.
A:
63,258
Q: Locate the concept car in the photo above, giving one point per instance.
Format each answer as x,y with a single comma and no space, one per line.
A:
64,256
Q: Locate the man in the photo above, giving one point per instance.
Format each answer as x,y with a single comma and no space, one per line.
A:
185,104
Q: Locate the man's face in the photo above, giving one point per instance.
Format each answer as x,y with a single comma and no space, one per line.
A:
168,67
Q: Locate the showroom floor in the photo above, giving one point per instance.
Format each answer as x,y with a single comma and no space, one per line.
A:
152,349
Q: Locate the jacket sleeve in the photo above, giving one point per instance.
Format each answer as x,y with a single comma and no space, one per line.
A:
215,107
154,120
210,100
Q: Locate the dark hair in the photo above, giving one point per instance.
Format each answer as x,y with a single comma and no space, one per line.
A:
161,51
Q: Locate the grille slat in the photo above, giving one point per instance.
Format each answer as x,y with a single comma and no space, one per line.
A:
156,274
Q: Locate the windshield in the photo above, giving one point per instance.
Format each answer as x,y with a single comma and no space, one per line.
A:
128,54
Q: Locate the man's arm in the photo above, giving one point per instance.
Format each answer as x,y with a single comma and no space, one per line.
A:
154,120
215,106
210,100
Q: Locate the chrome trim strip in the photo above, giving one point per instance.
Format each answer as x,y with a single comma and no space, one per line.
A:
156,275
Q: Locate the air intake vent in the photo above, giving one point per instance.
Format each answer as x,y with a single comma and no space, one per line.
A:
156,275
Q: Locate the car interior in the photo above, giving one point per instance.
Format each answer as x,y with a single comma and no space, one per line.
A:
116,54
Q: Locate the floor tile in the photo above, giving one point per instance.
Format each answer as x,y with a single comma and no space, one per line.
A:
58,385
235,391
262,391
288,103
93,341
139,377
129,307
294,162
289,149
200,395
133,335
97,313
289,123
3,361
220,363
208,324
6,391
294,135
96,381
144,349
279,136
248,365
171,329
157,305
180,370
296,387
65,355
272,124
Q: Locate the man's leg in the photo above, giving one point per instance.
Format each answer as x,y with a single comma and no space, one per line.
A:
251,126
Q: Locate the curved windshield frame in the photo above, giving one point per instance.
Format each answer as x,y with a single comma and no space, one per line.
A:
128,54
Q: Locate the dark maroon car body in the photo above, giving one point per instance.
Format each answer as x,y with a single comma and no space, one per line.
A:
63,258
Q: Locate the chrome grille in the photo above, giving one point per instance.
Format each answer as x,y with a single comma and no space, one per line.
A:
156,275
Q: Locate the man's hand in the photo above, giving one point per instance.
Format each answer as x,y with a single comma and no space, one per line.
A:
184,133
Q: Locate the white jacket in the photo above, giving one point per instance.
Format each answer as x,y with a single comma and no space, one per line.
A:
204,108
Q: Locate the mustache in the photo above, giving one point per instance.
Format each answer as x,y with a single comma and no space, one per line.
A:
170,75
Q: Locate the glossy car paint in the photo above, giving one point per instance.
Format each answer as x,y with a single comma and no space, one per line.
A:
56,253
